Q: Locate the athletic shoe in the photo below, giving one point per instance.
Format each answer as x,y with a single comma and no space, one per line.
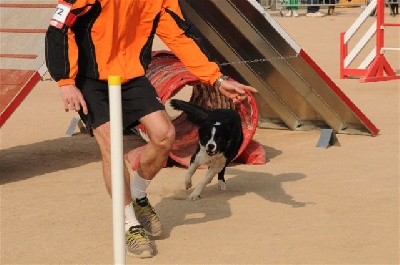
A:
288,14
147,217
137,243
316,14
295,14
319,14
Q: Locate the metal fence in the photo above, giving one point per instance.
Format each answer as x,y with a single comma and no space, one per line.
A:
283,4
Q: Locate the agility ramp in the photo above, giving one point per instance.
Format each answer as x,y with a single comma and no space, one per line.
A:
22,33
251,47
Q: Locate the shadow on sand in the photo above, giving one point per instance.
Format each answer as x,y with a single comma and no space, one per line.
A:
177,210
27,161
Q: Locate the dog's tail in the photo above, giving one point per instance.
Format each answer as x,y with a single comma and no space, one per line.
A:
195,114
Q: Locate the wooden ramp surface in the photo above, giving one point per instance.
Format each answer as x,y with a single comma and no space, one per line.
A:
22,33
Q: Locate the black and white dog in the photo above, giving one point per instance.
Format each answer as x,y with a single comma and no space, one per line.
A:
220,138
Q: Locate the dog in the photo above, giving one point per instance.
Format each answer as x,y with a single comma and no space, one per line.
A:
220,138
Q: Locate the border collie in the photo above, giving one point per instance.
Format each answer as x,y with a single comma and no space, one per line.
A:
220,138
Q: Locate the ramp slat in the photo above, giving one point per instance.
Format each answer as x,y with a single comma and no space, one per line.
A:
22,51
15,86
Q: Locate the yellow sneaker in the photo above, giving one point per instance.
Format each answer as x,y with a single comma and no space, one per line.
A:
137,243
147,217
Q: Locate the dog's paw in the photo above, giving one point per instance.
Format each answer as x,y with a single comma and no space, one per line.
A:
194,196
221,185
188,185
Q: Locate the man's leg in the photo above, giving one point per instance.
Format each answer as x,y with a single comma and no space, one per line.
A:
102,134
161,134
312,9
137,241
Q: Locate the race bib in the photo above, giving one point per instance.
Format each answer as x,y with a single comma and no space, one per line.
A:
61,14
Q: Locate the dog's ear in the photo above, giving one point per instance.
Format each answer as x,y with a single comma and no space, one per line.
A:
229,124
229,127
204,129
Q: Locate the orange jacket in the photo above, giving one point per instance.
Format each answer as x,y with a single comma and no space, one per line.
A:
99,38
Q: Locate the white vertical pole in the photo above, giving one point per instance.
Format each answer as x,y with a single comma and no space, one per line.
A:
117,168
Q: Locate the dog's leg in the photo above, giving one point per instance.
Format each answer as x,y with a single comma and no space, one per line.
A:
189,174
199,188
221,179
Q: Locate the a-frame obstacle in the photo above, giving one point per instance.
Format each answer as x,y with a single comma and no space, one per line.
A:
294,92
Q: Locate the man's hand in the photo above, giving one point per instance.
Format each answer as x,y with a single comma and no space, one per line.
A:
72,98
235,91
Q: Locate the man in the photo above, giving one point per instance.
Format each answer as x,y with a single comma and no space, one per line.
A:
313,10
89,40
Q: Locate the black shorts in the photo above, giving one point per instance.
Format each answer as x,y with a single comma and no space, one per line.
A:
139,98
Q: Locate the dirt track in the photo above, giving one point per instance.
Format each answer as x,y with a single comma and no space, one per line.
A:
307,205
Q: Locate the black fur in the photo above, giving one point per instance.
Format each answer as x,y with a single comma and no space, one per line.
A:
220,138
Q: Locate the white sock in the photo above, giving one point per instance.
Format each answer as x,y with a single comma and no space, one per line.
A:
130,218
139,186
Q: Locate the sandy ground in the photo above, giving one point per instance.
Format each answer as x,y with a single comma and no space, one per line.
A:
307,205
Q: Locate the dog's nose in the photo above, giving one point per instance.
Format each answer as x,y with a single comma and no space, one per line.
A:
210,146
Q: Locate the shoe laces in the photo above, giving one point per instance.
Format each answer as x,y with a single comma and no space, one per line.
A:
136,236
148,211
145,207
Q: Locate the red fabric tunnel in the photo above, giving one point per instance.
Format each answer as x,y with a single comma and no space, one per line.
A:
169,76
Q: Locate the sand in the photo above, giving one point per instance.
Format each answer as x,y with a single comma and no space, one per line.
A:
306,205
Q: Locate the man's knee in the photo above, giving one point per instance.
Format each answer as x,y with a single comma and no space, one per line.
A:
170,137
165,138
